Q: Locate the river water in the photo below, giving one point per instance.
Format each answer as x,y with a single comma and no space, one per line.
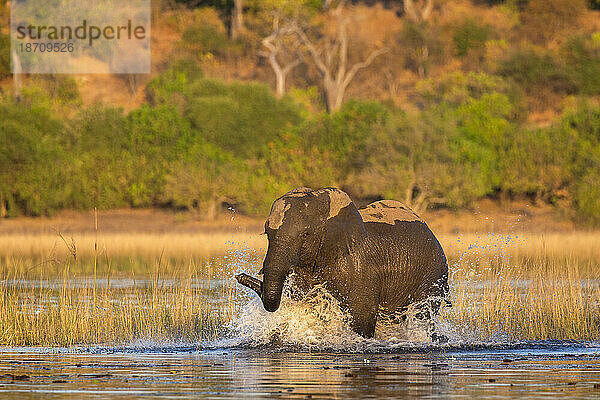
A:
523,370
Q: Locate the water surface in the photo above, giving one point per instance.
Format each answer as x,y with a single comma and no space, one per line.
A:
525,370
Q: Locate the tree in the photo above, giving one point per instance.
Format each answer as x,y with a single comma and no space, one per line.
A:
278,47
418,13
331,59
237,18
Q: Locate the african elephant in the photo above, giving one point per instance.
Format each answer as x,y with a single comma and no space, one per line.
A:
380,257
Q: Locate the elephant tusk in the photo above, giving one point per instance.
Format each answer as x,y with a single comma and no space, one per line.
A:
250,282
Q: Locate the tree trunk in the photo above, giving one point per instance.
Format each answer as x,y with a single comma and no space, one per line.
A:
211,210
279,76
3,208
17,70
237,18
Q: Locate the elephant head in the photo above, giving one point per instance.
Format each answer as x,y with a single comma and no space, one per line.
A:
304,226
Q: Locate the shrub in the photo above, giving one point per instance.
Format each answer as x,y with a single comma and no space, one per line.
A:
32,161
533,69
587,196
171,86
470,36
205,35
198,179
4,55
582,57
543,20
457,88
422,45
241,118
156,135
533,163
101,160
205,39
540,75
464,124
580,150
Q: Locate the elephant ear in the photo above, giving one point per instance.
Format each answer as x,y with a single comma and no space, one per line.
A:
344,226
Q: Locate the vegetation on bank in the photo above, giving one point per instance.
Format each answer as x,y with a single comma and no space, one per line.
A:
203,143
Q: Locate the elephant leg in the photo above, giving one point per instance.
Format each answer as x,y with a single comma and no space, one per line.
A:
363,310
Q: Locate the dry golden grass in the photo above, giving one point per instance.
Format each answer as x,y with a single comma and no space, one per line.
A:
526,287
126,245
556,302
519,287
76,311
529,253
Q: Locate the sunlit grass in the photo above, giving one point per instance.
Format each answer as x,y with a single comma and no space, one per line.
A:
526,287
556,302
146,246
516,287
186,307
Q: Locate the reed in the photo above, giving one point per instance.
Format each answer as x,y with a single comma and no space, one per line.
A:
75,311
179,286
556,302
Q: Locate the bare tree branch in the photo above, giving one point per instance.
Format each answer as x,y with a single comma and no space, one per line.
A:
415,15
427,10
315,54
237,18
332,61
358,66
274,45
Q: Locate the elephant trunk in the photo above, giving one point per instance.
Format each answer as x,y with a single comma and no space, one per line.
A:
273,287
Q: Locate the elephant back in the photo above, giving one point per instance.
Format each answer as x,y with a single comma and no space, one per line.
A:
388,212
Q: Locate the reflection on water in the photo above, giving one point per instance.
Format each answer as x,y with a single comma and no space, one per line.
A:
532,370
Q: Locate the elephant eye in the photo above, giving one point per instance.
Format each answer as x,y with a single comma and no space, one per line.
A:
305,234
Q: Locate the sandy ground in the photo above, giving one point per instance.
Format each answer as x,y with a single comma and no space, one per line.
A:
487,216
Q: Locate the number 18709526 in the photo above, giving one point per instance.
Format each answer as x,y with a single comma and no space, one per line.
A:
43,47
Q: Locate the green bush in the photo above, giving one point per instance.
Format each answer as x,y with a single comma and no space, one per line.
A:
580,152
205,35
32,161
533,163
470,36
101,161
582,57
241,118
345,132
4,55
169,87
205,39
587,196
157,135
457,88
422,46
536,71
465,122
198,179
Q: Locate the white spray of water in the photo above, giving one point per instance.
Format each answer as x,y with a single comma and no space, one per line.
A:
318,323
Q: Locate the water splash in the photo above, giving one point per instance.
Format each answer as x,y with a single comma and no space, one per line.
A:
317,322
